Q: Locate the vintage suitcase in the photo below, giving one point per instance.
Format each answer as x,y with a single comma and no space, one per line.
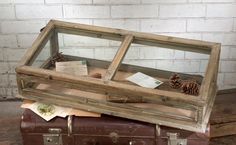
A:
105,130
223,116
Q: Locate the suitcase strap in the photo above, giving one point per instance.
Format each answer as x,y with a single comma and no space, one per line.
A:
69,124
54,137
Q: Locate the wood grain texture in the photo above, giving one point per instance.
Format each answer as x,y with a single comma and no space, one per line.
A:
111,86
110,73
139,37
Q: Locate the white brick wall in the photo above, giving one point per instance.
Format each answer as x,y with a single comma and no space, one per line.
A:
210,25
71,11
210,20
134,11
8,41
17,27
38,11
7,12
171,25
182,10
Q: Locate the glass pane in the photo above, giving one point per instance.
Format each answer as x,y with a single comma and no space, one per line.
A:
43,56
97,53
161,64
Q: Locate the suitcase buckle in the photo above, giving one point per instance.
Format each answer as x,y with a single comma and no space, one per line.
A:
174,140
53,137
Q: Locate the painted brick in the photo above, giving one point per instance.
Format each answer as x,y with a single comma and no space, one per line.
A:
21,1
192,55
5,92
230,79
156,53
28,1
6,1
225,52
1,54
163,25
26,40
78,51
71,11
81,21
225,86
22,26
220,79
4,68
8,41
232,53
105,53
68,1
164,64
183,10
121,24
203,65
178,65
194,1
14,54
218,1
116,1
12,66
3,80
43,55
74,40
197,36
235,25
7,12
223,38
38,11
228,66
179,54
133,53
221,10
163,1
14,91
186,66
134,11
208,25
143,63
12,80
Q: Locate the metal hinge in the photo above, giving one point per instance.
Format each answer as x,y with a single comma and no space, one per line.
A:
174,140
53,137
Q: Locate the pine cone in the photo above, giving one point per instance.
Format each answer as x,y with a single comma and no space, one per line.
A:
175,81
57,58
190,87
96,75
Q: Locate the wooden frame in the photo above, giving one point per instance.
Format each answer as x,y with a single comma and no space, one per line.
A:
28,76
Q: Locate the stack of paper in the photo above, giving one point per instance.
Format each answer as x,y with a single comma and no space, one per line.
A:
54,110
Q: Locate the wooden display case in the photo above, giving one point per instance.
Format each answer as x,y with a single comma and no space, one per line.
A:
164,106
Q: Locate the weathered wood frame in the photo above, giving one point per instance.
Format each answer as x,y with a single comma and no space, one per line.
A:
201,104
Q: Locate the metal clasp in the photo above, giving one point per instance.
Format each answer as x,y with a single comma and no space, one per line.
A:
174,140
69,124
53,137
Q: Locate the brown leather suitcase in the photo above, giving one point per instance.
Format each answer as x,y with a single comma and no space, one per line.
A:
223,116
105,130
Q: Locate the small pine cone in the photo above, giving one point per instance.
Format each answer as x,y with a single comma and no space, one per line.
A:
191,88
57,58
175,81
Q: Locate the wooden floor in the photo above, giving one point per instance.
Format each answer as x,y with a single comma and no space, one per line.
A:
10,115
